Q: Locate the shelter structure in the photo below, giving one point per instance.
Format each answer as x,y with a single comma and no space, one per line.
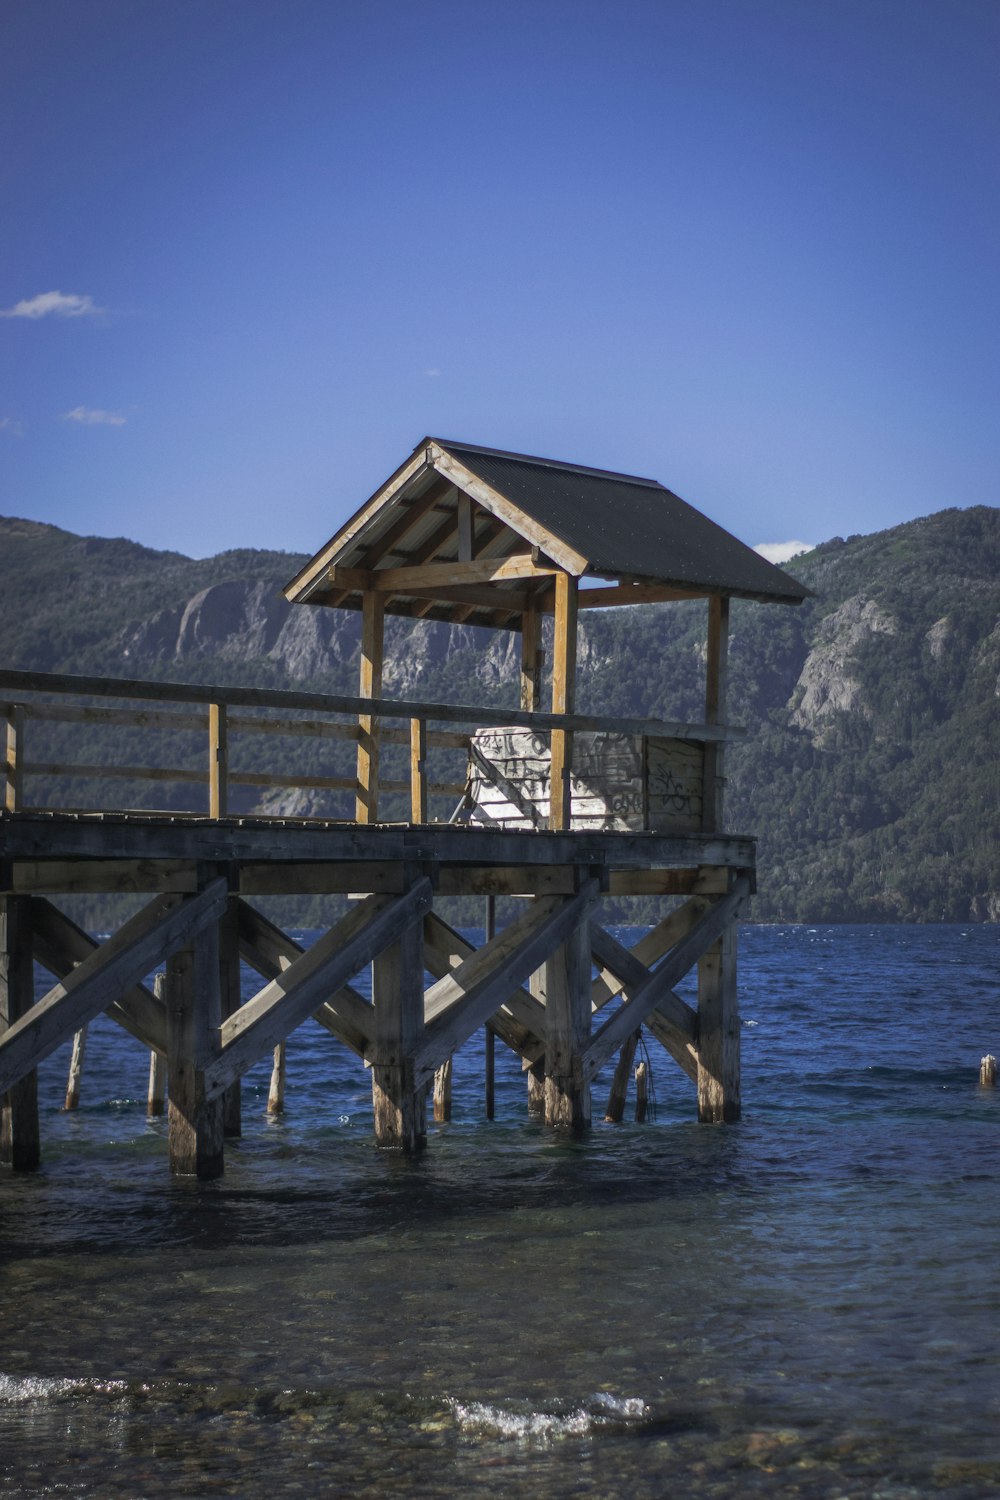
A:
560,808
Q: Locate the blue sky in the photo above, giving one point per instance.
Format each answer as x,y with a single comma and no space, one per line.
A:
747,247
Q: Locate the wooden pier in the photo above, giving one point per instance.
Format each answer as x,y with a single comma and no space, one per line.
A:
563,810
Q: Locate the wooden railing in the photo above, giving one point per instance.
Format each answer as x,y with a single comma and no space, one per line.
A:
221,713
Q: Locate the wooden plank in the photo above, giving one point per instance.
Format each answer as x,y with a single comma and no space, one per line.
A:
75,1076
156,1092
430,577
119,963
418,771
681,958
269,950
446,713
120,718
506,880
467,997
218,761
109,772
63,877
231,992
718,1032
280,877
672,1021
60,945
505,510
292,996
413,512
675,784
615,1112
372,642
563,700
20,1147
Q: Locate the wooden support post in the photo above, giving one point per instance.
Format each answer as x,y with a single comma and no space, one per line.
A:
536,1089
567,1015
716,675
276,1091
14,757
231,1000
718,1032
19,1138
194,1015
398,998
218,761
532,659
77,1056
615,1112
442,1093
156,1095
418,770
641,1092
563,699
370,686
988,1072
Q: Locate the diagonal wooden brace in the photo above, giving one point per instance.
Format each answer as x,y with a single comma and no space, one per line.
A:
145,940
661,980
257,1027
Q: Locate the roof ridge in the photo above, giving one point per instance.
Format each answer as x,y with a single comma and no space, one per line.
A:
545,463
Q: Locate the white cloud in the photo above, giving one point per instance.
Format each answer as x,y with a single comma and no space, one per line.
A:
53,304
781,552
11,425
89,416
432,371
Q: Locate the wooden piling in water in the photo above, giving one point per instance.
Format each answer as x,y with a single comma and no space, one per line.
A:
988,1072
615,1111
193,1004
72,1100
641,1092
442,1093
276,1088
156,1093
19,1138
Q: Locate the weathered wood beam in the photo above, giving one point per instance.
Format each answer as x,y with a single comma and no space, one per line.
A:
413,513
218,760
646,995
60,945
461,1002
20,1146
347,1015
432,576
635,593
672,1021
13,757
293,995
532,660
64,877
160,929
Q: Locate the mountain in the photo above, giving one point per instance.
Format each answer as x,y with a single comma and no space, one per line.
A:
869,772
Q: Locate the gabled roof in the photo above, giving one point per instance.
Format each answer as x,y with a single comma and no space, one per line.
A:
560,516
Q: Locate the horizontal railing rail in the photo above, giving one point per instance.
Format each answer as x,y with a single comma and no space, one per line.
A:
213,715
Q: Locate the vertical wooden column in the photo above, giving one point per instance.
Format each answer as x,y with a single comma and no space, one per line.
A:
567,1032
532,659
194,1013
370,686
716,675
719,1032
563,699
156,1096
230,1001
19,1139
75,1077
218,761
398,997
418,770
13,757
279,1074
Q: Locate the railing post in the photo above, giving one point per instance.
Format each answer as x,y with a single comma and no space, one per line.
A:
372,628
716,671
563,700
218,761
418,770
14,757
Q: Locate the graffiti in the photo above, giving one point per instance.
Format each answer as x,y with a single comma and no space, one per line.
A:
666,789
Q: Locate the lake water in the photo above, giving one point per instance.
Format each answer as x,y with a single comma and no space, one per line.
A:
803,1304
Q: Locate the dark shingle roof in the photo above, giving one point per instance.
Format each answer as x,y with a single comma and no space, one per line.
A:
626,525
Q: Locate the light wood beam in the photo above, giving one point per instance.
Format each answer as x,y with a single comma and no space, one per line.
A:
563,701
372,643
20,1146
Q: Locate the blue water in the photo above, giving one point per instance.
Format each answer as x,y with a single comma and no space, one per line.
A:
803,1304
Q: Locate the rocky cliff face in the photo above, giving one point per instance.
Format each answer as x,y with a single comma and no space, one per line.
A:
828,683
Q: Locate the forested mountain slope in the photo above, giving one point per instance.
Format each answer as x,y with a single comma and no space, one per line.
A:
870,773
